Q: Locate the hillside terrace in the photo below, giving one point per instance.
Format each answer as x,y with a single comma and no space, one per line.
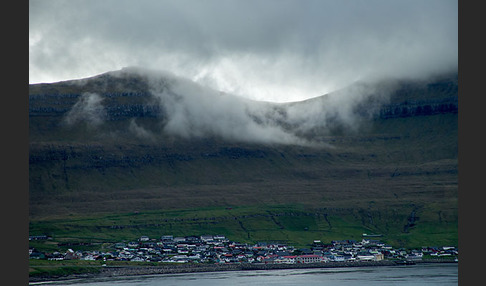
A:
218,249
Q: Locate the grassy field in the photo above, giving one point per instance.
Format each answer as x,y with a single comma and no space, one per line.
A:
292,224
52,270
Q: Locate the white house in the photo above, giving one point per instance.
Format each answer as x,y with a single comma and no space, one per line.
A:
179,239
288,259
219,237
167,237
206,238
365,257
310,258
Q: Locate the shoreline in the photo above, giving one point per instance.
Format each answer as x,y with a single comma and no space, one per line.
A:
126,271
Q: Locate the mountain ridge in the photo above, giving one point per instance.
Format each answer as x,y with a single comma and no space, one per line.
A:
179,102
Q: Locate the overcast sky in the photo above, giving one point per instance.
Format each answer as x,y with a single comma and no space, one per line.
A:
275,50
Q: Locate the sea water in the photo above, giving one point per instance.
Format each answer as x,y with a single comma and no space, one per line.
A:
420,274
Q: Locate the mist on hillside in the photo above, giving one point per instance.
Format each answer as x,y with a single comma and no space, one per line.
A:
193,111
88,109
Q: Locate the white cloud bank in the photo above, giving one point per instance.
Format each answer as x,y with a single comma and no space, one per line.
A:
274,50
190,110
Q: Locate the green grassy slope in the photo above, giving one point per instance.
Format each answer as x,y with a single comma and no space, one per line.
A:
293,224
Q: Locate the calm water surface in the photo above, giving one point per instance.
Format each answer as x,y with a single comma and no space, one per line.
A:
424,274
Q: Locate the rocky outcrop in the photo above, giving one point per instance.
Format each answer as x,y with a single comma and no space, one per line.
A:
420,108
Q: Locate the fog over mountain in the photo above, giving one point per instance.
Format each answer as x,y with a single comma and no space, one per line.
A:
190,110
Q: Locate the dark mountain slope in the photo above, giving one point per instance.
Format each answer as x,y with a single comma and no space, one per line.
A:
120,151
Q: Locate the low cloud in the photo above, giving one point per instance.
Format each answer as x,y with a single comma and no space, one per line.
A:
87,109
139,131
194,111
348,108
273,50
190,110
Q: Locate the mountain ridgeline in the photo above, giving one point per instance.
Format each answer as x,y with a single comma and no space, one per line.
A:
137,140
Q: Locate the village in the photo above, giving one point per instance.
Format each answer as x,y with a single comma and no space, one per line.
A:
219,249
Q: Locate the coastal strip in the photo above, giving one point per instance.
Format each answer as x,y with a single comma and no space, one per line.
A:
124,271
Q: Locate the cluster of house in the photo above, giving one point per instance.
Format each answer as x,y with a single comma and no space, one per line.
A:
219,249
